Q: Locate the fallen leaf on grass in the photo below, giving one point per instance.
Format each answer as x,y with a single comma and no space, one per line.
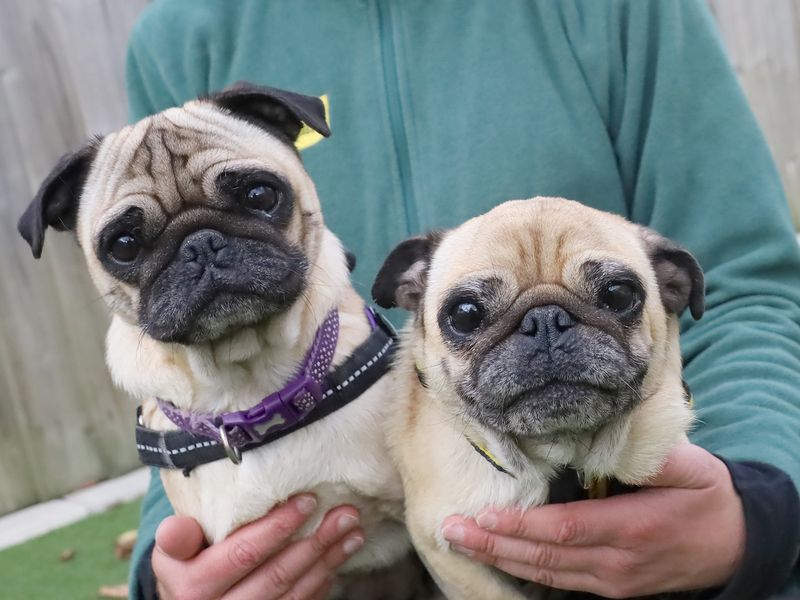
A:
124,544
113,591
67,554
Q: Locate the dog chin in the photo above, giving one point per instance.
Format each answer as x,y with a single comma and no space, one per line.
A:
554,408
224,315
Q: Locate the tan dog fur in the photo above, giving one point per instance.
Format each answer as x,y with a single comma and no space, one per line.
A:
534,245
166,165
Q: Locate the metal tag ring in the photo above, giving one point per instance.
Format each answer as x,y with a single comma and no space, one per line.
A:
233,452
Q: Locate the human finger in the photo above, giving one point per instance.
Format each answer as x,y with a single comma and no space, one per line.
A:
469,539
583,523
180,538
689,467
278,576
577,581
320,577
222,565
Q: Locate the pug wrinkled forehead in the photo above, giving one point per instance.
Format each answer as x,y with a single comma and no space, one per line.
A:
543,314
195,221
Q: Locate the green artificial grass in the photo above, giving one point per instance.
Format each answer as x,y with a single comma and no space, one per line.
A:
34,570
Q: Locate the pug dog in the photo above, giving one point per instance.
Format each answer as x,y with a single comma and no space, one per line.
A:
544,335
203,232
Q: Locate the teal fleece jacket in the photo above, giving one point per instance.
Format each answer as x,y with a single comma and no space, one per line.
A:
441,110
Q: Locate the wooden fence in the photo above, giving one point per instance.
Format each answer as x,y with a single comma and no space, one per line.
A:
62,424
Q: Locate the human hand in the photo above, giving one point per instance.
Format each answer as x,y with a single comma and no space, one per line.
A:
685,531
257,561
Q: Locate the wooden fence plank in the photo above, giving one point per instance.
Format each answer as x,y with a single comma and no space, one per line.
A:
62,423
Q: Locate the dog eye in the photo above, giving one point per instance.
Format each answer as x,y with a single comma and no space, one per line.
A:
125,248
261,197
465,317
619,296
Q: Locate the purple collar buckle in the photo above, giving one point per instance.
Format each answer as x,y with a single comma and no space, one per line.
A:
279,411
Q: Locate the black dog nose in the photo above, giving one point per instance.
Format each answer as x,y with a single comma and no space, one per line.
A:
546,323
203,246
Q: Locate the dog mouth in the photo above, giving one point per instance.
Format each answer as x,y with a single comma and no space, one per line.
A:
529,386
190,303
223,314
552,408
219,315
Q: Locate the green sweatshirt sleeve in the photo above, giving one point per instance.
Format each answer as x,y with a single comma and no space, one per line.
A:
696,168
155,508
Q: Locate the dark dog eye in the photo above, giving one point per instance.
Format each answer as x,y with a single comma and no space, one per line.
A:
125,248
261,197
619,296
465,317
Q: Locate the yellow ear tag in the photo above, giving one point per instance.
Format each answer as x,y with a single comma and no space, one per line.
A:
307,136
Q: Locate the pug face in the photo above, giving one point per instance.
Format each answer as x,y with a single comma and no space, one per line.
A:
542,316
197,221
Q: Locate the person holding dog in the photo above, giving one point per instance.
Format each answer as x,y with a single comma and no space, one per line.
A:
441,110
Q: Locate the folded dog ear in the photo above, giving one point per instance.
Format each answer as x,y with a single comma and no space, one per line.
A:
401,280
680,278
273,109
56,203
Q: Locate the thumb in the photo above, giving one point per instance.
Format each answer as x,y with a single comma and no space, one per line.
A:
688,467
180,538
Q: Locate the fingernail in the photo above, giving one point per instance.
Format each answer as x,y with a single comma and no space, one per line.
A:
306,504
453,533
487,520
346,523
352,545
462,549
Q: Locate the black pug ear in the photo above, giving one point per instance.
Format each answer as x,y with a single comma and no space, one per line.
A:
273,109
56,203
680,278
401,280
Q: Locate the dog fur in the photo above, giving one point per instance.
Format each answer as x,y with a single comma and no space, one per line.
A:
532,253
167,168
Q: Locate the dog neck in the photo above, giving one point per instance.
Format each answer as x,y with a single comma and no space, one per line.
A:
235,372
629,448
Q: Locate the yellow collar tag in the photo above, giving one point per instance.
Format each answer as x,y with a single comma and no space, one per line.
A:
489,457
307,136
687,394
597,487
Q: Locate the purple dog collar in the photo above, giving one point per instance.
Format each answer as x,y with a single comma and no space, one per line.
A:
278,411
185,449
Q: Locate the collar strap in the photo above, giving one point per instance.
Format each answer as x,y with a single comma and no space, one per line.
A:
280,410
421,376
687,394
489,457
595,487
569,484
189,447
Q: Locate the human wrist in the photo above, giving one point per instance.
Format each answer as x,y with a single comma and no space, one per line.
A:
772,531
